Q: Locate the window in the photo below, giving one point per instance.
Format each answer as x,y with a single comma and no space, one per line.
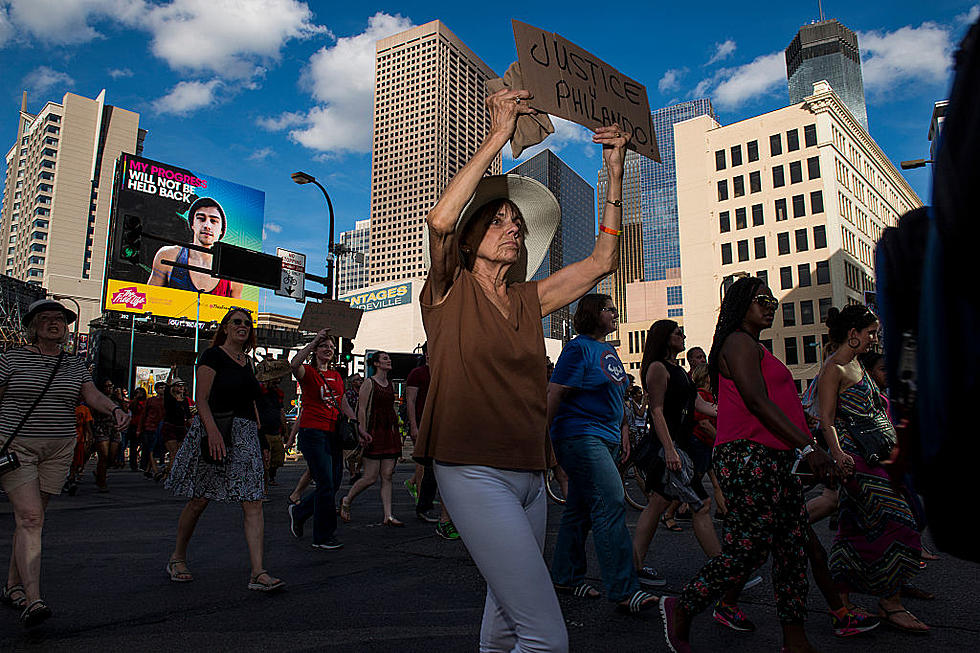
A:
782,242
720,160
757,219
799,207
789,314
752,149
825,303
803,272
792,140
780,210
743,250
813,167
674,296
819,237
726,253
722,190
806,311
775,145
767,343
755,182
777,177
740,218
802,242
785,278
823,272
792,357
760,247
738,186
724,222
764,275
736,155
816,201
809,349
810,135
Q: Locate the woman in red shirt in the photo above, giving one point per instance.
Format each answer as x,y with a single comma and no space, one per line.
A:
705,428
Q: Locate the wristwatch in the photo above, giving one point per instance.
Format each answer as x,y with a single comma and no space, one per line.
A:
805,451
618,203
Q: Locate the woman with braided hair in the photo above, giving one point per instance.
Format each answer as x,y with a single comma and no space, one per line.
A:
760,423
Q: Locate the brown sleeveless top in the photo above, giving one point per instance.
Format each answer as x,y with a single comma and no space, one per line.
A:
487,400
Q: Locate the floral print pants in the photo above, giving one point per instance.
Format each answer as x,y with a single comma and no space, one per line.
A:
766,514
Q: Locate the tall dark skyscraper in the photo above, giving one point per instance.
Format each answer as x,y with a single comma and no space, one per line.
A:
827,50
575,235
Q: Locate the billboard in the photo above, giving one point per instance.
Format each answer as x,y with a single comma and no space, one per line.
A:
381,298
189,207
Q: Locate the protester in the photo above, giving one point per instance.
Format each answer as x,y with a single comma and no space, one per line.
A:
226,392
483,321
878,544
378,434
590,431
84,439
705,430
317,438
39,388
148,427
136,408
695,357
760,422
352,457
272,421
108,439
176,418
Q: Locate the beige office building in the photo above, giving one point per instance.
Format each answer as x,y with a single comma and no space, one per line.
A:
57,195
429,119
798,196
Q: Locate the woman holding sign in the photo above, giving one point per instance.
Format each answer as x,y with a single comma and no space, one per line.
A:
484,424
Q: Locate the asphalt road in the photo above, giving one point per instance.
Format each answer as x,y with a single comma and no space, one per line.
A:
388,590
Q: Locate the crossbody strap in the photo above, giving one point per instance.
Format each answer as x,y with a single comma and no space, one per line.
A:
326,385
30,410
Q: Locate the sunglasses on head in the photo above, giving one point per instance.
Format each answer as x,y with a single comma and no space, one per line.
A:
766,301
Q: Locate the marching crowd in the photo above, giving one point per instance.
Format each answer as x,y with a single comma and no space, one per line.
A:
488,420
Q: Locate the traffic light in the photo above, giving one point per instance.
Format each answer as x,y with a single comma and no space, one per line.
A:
347,351
132,239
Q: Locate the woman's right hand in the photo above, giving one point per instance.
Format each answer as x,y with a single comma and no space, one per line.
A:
672,459
845,463
504,107
321,335
365,438
216,445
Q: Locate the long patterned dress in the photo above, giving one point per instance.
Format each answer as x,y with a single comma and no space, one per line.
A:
877,547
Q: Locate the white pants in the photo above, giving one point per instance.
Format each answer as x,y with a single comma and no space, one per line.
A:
501,516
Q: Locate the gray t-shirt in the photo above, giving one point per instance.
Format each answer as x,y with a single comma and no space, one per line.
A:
23,374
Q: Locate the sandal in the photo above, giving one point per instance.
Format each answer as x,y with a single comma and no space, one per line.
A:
176,575
14,597
886,618
35,613
258,586
670,524
393,521
912,592
344,511
637,603
583,590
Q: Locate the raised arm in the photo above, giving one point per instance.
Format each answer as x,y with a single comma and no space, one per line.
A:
571,282
296,364
504,106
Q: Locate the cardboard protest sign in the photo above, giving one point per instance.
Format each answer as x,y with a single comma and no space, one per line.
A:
571,83
338,316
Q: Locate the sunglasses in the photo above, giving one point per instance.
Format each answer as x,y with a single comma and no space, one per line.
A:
766,301
237,321
613,310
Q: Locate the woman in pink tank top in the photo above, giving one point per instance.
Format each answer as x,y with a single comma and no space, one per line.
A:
760,424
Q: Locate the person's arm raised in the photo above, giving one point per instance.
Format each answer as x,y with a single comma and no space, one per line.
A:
571,282
504,106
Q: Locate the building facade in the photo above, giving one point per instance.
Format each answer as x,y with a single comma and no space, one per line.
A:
429,120
352,265
575,236
57,195
798,196
826,50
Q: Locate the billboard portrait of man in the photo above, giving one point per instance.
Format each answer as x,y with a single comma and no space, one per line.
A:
208,224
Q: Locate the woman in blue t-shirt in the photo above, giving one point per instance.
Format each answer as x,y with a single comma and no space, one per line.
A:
589,430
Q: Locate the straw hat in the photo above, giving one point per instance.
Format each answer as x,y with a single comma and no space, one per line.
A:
538,206
47,305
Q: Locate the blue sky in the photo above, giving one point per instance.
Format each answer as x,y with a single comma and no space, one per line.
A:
252,90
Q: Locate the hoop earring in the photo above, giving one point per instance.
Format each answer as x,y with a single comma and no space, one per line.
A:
853,343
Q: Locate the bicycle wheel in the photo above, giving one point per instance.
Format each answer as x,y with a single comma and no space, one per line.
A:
634,486
553,488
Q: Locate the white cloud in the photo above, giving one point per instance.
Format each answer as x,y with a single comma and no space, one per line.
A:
341,79
730,88
187,96
43,79
920,54
261,154
117,73
69,21
273,227
722,51
6,28
970,16
567,134
671,80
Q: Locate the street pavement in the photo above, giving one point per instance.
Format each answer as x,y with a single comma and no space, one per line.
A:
389,590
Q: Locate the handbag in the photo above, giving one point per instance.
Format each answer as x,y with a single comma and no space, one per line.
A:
8,459
874,435
344,431
224,421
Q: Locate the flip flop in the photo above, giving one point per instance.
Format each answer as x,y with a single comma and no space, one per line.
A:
582,590
179,576
675,528
886,618
639,602
7,597
35,613
257,586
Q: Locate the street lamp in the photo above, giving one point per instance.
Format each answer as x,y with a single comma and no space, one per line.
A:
915,163
725,280
78,313
304,178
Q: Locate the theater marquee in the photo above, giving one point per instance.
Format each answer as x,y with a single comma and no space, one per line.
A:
381,298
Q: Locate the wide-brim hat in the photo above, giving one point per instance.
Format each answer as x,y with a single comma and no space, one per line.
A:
42,305
176,381
537,204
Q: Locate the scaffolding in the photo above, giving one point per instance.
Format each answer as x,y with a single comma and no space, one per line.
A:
15,297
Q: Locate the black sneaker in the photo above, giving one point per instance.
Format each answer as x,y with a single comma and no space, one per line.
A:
295,525
650,578
331,544
426,516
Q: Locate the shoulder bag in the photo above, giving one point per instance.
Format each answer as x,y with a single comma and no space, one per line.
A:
8,459
873,435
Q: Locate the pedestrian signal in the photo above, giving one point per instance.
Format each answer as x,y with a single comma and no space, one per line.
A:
132,239
347,351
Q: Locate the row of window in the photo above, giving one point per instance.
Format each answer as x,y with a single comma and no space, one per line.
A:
782,244
806,311
792,353
778,178
758,217
775,147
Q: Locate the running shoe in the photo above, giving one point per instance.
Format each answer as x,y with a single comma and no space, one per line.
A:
667,607
752,582
731,616
332,544
295,525
650,578
426,516
412,489
447,531
853,624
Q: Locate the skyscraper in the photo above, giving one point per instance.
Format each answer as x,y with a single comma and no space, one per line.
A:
352,267
57,195
429,119
575,236
826,50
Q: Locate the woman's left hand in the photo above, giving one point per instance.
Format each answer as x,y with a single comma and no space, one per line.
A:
613,140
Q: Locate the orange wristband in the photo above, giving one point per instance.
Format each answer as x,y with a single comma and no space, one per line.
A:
613,232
